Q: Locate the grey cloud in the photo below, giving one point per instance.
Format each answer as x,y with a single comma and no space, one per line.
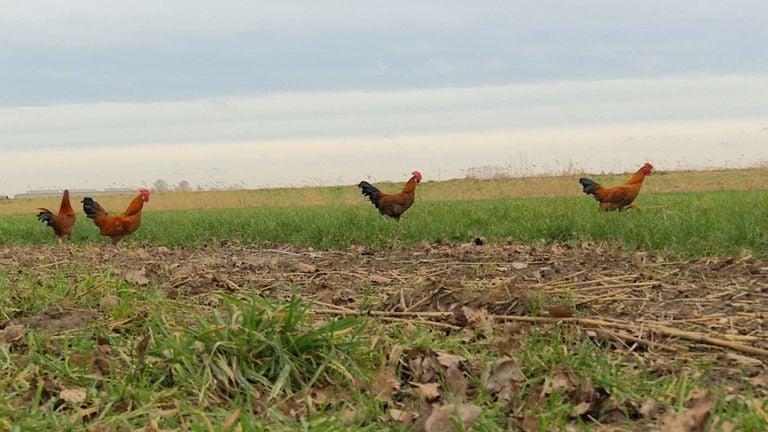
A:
162,51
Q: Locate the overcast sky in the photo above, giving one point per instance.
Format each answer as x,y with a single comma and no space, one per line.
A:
260,93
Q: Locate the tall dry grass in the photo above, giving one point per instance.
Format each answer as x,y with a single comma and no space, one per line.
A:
450,190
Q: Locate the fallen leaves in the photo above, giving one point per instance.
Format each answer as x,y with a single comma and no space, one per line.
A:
141,350
563,381
306,268
443,418
504,379
448,360
385,385
428,391
455,383
73,395
760,380
438,382
138,277
691,419
13,334
108,302
380,280
475,319
430,387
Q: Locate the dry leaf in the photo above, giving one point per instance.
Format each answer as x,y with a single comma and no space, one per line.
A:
581,409
385,385
139,277
73,395
530,422
423,369
519,265
743,360
478,319
326,296
102,364
12,333
725,426
504,380
141,349
380,280
563,381
760,380
108,302
456,383
220,278
650,409
506,370
692,419
428,392
407,418
448,360
563,310
307,268
442,418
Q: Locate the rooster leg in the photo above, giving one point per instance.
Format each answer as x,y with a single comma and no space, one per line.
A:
633,206
400,231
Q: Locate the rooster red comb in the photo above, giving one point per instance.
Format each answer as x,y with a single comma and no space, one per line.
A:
144,194
417,175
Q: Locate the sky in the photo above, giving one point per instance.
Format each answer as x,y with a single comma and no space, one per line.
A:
291,93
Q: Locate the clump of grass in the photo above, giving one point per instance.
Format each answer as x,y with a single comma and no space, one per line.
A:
260,347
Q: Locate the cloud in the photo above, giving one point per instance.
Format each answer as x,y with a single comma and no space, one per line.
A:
369,114
594,148
292,138
90,51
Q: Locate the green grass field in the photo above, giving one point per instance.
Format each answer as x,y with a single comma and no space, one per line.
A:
678,223
181,328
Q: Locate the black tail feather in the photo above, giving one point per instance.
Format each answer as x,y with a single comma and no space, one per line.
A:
90,207
371,192
46,216
590,186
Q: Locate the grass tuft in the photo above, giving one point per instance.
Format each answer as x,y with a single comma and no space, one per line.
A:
260,347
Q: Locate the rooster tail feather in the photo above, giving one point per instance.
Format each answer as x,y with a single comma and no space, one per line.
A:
46,216
371,192
589,185
91,207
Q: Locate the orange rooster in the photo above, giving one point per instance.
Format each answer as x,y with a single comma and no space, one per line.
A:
117,227
392,205
617,197
63,222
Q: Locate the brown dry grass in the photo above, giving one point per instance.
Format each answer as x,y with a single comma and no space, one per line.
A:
673,181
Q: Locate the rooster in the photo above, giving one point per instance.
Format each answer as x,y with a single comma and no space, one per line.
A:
617,197
117,227
392,205
62,222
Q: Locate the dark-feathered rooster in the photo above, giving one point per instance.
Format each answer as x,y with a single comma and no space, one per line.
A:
63,222
392,205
